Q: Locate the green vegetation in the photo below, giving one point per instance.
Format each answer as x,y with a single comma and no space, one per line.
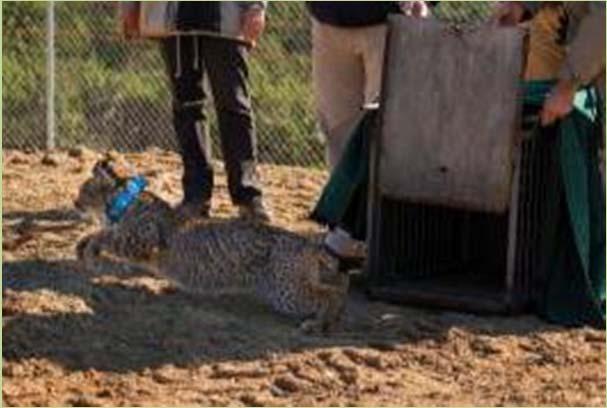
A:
113,94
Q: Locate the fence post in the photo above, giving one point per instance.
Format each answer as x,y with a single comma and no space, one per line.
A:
50,75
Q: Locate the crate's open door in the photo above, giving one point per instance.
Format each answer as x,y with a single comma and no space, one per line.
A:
450,104
444,169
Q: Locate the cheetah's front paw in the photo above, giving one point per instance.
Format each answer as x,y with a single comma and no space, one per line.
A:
88,252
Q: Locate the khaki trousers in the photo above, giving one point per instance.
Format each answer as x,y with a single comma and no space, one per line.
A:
346,68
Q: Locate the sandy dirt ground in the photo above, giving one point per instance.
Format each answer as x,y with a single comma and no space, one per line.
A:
70,339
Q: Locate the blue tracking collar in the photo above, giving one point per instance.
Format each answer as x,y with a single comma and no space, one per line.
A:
118,206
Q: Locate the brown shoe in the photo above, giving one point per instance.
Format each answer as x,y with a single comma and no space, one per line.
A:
255,210
194,210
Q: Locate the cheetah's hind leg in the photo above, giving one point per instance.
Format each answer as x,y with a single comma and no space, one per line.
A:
331,306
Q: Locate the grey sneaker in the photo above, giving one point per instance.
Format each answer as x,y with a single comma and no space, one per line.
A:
341,243
255,210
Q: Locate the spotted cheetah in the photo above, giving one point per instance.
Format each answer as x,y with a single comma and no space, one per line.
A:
285,270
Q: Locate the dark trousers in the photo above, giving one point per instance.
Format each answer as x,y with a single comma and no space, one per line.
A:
190,60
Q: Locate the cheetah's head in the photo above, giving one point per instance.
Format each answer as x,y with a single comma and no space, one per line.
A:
107,176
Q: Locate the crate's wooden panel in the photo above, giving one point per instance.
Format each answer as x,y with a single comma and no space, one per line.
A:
450,113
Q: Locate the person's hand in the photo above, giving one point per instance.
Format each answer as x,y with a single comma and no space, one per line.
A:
129,20
418,9
253,24
559,102
508,13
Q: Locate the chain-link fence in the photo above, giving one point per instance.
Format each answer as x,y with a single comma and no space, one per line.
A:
114,94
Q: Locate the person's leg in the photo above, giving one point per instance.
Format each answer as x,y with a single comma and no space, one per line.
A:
338,79
369,44
181,55
226,65
373,44
339,85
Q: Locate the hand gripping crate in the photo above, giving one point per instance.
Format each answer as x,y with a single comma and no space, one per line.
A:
454,188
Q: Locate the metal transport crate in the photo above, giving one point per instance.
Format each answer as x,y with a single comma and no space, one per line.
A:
455,187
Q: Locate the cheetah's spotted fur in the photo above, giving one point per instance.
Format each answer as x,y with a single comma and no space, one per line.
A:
284,269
